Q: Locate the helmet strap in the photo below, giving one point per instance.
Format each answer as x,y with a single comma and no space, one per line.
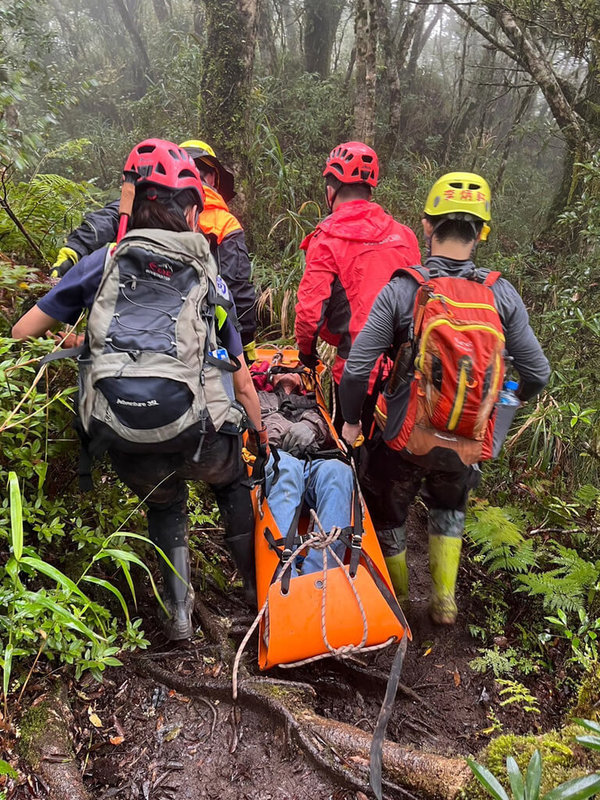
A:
333,197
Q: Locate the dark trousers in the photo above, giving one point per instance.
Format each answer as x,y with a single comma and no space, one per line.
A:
159,480
391,483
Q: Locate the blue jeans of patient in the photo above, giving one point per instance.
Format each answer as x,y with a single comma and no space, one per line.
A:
329,486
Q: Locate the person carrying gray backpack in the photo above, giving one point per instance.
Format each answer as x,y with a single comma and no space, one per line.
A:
163,387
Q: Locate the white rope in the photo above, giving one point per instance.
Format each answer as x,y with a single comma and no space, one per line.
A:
319,539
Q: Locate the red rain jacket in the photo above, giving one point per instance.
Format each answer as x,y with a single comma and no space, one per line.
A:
350,257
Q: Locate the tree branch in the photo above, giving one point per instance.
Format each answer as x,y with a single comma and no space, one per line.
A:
6,206
483,31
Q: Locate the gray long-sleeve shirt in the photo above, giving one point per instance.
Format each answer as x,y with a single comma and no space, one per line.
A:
392,315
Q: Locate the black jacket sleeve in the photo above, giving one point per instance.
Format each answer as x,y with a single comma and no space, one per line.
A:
97,229
234,266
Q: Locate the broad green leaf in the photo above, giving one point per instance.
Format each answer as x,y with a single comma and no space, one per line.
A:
588,723
575,789
127,572
592,742
122,555
63,613
12,567
61,579
487,780
516,779
6,769
16,515
125,555
110,588
533,777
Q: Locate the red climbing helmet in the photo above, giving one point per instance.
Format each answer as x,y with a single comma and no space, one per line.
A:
353,162
165,164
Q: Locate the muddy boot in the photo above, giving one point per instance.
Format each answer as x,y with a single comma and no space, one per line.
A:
178,595
398,570
393,546
444,556
167,528
241,548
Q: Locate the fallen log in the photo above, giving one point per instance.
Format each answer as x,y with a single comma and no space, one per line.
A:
427,774
46,745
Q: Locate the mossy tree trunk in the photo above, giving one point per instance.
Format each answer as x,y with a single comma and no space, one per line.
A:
365,29
321,20
231,30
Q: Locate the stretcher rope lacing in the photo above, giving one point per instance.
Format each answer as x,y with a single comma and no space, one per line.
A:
238,656
319,539
324,544
348,649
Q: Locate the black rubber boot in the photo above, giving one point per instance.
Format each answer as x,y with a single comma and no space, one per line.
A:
177,596
241,548
168,530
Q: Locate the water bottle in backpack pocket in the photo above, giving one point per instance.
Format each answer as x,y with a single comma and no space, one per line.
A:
506,408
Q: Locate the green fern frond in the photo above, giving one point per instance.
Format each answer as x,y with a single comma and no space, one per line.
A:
589,496
48,206
516,561
497,532
557,590
492,661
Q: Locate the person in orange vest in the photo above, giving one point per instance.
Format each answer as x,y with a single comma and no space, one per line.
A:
216,222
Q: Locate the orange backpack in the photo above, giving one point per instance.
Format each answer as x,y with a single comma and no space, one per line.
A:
454,361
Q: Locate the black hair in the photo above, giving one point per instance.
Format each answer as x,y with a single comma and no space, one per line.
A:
449,228
166,210
361,191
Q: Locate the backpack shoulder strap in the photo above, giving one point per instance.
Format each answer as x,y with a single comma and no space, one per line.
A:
414,272
492,277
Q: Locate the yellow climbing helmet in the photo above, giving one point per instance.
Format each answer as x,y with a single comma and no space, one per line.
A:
460,193
202,147
203,152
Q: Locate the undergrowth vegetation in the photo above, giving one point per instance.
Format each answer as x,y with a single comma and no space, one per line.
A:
69,563
67,559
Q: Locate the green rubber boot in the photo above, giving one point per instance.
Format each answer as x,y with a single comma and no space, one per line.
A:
398,570
444,557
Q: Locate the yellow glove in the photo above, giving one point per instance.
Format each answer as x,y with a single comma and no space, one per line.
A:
66,258
250,352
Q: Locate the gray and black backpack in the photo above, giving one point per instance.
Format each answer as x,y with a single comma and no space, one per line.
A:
152,376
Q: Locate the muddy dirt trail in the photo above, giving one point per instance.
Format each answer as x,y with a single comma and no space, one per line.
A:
156,743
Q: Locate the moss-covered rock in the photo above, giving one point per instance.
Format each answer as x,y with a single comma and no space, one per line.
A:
562,758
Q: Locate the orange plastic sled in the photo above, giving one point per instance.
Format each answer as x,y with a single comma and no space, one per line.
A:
342,610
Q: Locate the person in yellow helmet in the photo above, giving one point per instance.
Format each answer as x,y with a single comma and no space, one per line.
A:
216,222
447,324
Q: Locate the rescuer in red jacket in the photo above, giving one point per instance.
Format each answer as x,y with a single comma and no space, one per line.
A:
350,257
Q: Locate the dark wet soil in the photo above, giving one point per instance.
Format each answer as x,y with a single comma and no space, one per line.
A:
153,743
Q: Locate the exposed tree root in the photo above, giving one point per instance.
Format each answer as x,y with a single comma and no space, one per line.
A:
46,745
360,677
339,749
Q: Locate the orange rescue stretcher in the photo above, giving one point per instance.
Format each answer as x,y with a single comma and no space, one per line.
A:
339,610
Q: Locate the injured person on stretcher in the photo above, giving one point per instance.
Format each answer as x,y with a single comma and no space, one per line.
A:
304,481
